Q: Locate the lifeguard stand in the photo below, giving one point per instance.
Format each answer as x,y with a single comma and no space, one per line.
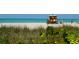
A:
52,19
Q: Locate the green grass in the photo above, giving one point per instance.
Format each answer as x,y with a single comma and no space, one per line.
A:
61,35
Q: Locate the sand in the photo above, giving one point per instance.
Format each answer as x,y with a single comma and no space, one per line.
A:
22,25
37,25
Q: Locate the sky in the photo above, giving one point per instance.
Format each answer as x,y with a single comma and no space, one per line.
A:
60,16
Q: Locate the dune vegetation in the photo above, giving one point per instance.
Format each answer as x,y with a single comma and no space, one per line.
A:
51,35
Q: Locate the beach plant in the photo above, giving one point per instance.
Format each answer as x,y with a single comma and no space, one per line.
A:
73,38
51,35
72,35
49,30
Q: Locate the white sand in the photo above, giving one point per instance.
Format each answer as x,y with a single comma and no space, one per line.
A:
22,25
36,25
55,25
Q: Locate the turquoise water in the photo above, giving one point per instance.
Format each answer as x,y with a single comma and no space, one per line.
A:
32,20
69,20
22,20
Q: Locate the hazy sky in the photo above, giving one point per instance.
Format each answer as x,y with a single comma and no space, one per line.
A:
60,16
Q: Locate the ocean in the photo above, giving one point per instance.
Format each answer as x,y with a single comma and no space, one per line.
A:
68,20
22,20
33,20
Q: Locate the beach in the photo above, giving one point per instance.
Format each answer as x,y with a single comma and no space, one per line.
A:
37,25
22,25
